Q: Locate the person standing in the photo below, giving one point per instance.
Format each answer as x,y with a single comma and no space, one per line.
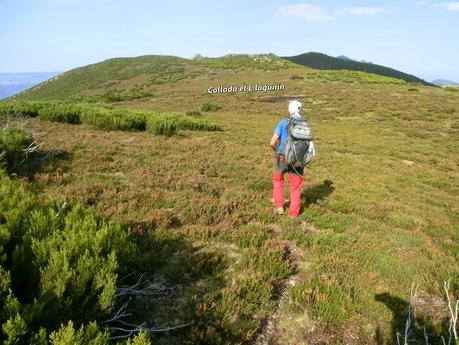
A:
295,174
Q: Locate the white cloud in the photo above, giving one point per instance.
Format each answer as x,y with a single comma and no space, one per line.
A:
319,14
450,6
361,10
307,12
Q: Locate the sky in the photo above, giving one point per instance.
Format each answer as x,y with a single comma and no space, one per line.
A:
416,37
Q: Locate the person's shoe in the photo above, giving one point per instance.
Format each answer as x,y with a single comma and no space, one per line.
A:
278,210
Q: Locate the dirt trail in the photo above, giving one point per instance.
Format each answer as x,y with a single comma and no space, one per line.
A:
297,256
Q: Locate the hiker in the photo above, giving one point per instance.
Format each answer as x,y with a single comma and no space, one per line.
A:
291,156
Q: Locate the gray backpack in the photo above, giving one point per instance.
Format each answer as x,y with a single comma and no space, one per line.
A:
297,148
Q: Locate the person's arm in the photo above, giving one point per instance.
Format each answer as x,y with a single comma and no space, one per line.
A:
273,142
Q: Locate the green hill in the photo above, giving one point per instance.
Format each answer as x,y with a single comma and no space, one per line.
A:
106,75
323,61
123,79
152,76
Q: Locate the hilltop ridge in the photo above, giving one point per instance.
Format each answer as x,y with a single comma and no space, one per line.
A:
130,78
323,61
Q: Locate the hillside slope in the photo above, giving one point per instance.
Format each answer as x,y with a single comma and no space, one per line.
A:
323,61
137,77
153,76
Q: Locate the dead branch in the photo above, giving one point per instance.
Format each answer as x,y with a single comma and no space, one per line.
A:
146,287
453,311
410,317
426,336
142,288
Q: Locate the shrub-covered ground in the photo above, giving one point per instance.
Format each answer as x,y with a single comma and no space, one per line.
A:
59,263
354,76
379,211
106,117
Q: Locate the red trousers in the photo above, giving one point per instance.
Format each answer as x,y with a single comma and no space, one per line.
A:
295,182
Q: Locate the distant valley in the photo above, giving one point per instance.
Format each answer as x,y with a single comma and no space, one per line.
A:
12,83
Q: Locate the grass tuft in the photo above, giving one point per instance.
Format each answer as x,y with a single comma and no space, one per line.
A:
207,106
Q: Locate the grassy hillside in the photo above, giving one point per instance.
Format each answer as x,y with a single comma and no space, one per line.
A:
123,79
322,61
105,75
353,77
379,204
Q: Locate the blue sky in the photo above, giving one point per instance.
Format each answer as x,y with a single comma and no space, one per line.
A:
417,37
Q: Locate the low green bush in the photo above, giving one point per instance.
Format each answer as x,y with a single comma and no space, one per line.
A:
170,75
30,109
162,124
207,106
168,123
116,119
61,112
194,113
113,96
14,146
59,265
105,117
90,334
129,95
56,263
188,122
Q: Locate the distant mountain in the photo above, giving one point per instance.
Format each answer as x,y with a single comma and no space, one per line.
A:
12,83
444,82
342,57
323,61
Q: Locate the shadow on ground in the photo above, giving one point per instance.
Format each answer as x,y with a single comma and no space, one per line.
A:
181,275
317,192
39,161
416,334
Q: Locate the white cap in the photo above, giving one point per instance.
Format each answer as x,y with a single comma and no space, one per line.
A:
294,108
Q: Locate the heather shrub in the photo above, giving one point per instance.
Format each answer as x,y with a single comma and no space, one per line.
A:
207,106
61,112
59,263
15,144
101,116
30,109
162,124
116,119
194,113
168,123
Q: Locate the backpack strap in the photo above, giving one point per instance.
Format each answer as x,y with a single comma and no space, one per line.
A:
289,124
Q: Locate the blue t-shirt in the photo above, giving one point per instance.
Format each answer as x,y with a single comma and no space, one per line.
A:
281,132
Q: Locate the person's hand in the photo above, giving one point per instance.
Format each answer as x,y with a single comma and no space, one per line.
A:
273,142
